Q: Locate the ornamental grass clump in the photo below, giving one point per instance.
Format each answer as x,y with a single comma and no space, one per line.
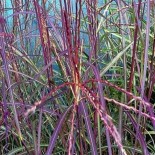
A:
77,77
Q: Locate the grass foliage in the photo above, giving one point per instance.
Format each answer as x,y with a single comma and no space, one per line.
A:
77,77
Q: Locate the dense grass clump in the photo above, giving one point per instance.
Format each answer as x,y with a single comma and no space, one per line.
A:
77,77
